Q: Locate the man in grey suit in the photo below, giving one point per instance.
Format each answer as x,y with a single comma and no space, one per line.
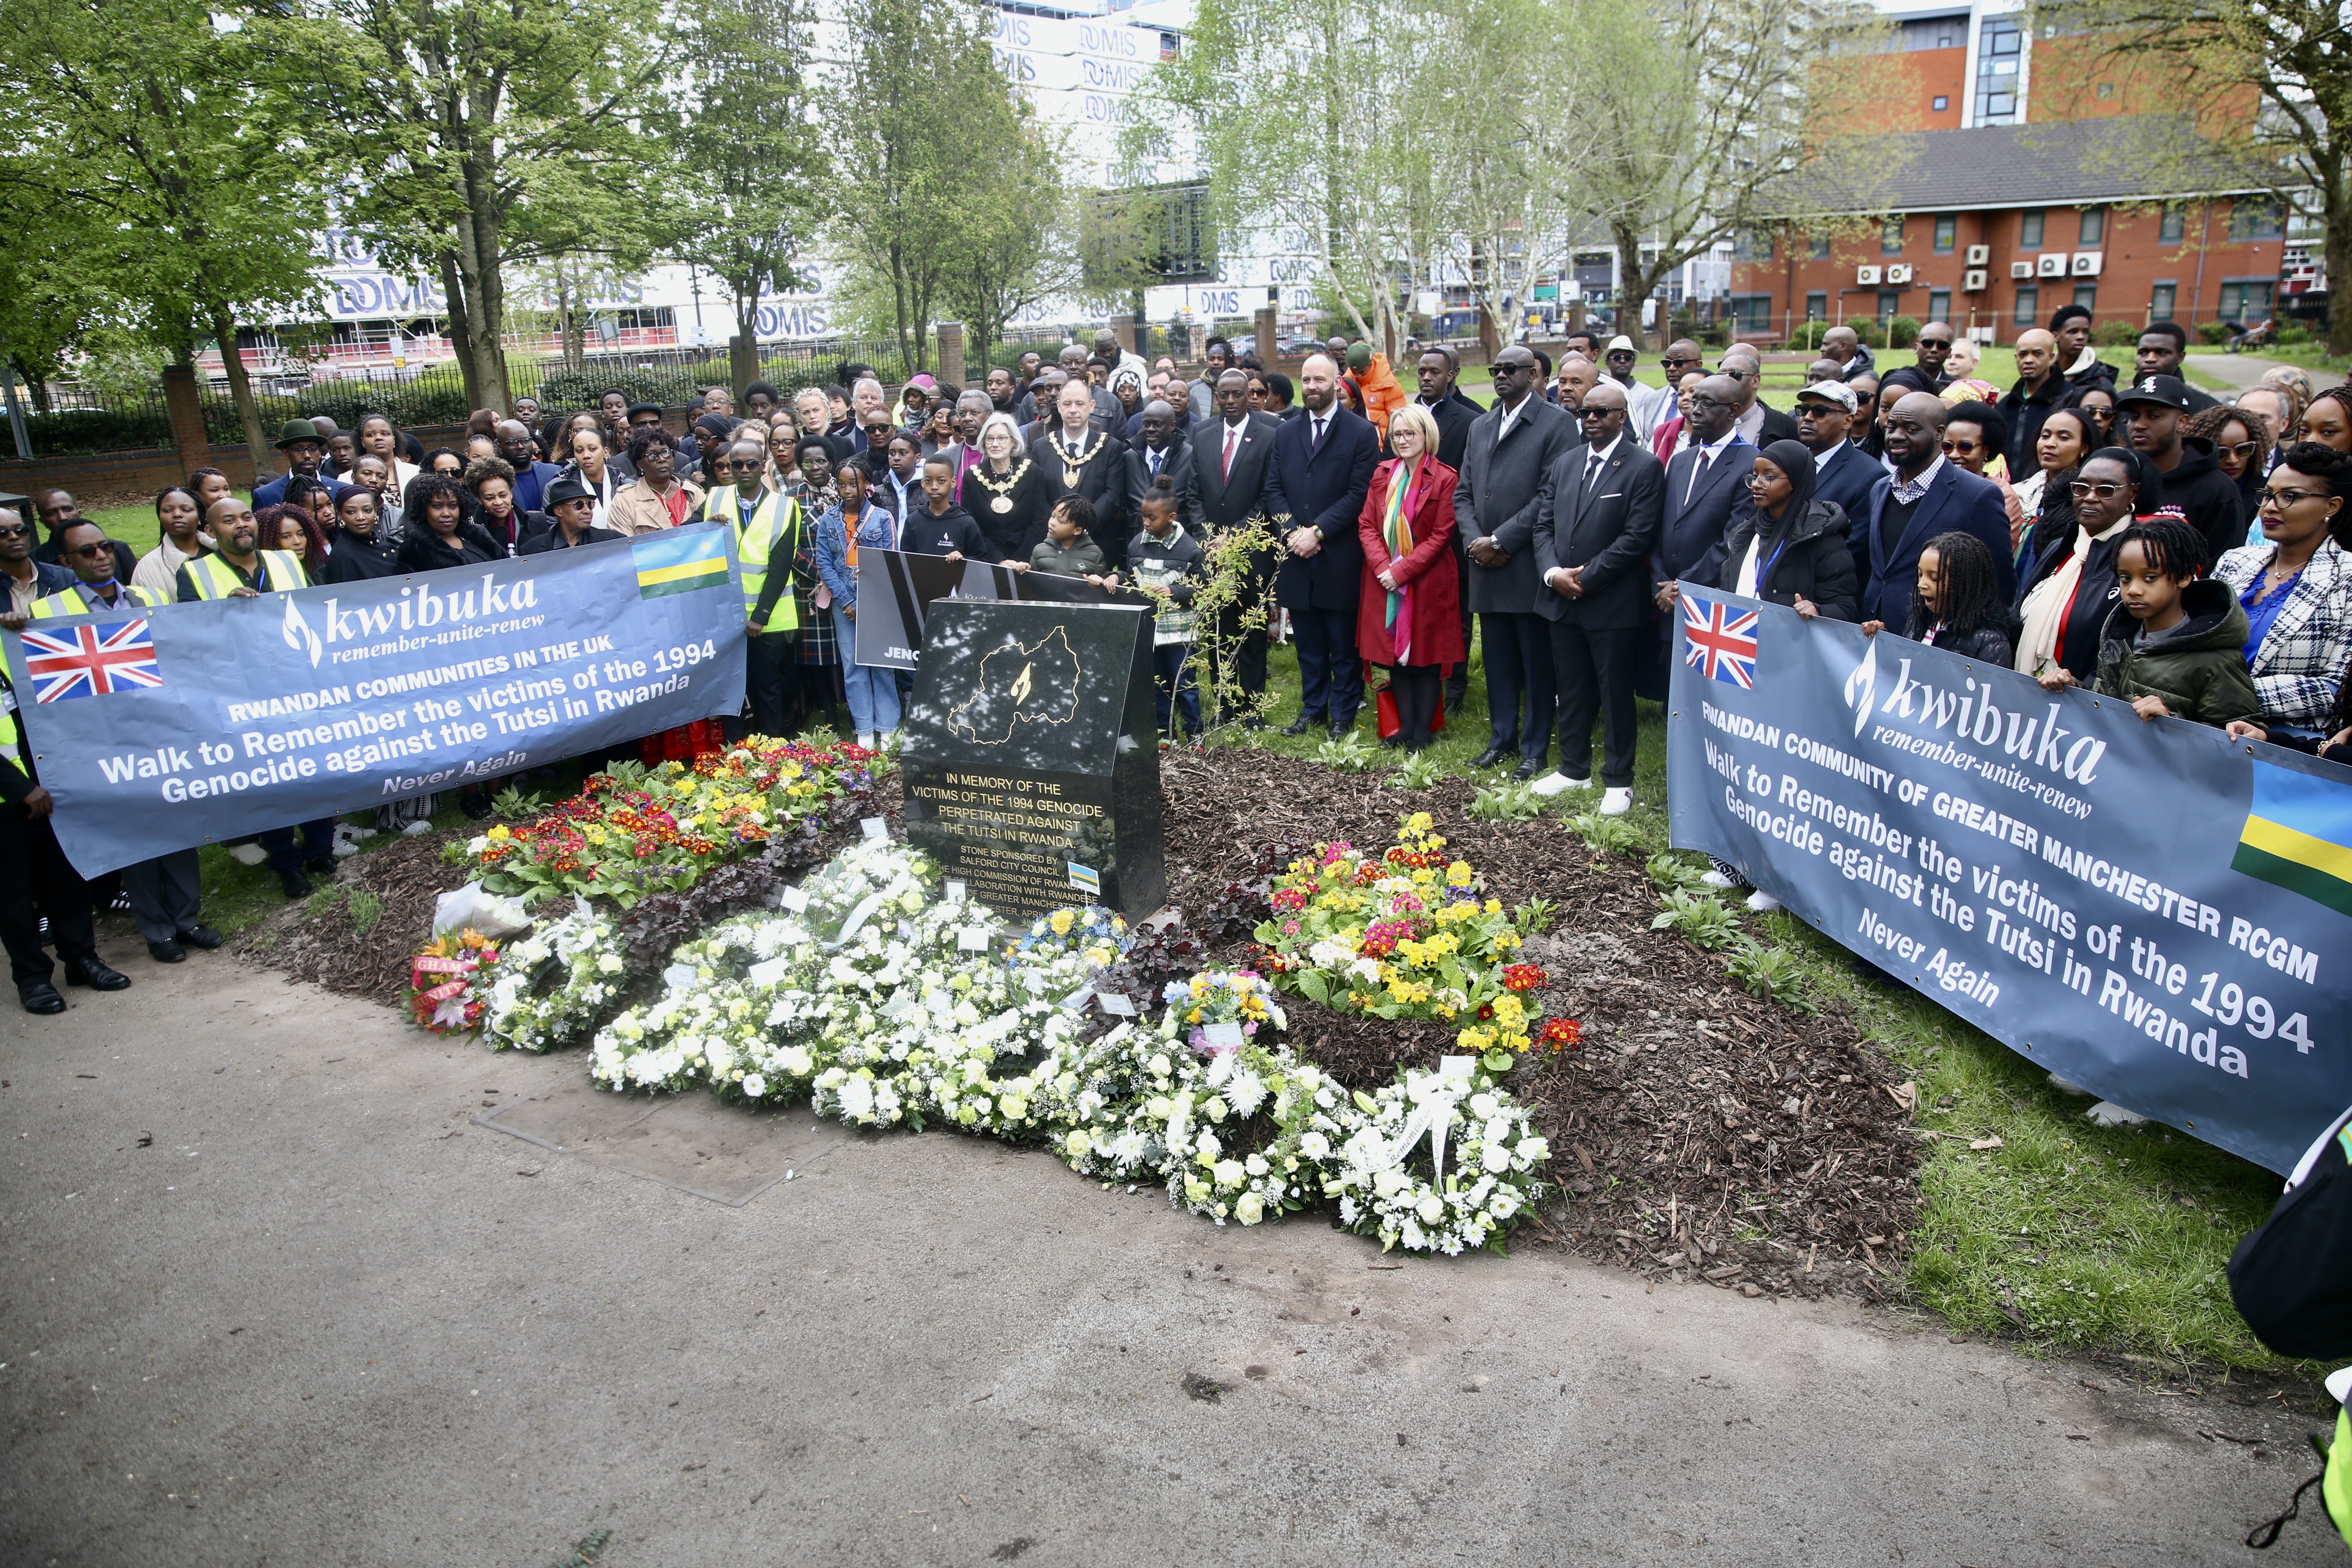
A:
1513,447
1596,519
1226,487
1157,452
1706,481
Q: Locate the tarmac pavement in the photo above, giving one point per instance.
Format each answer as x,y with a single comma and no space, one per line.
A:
278,1289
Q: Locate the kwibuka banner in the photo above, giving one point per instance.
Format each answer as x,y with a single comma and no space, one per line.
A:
189,724
2141,907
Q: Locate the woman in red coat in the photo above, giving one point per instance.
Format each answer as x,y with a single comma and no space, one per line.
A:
1409,615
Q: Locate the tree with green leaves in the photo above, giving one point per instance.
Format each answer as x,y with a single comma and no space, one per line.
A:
1301,113
2262,86
746,202
164,185
484,135
1704,107
1014,252
912,170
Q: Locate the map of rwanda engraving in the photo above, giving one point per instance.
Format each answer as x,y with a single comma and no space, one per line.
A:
1016,684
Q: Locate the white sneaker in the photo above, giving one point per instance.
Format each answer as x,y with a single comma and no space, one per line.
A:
248,853
1762,903
1616,802
1554,784
866,739
1715,878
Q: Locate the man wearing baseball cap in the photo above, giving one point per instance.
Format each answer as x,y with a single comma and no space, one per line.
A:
2152,408
1842,472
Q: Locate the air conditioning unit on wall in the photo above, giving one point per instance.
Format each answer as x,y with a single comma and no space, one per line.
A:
2088,263
1980,254
1972,282
2021,269
2053,264
1899,273
1867,277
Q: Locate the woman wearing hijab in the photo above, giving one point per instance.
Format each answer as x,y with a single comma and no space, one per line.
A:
1790,549
2075,586
1408,616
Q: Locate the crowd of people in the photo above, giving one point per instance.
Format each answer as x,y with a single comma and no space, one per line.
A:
2131,534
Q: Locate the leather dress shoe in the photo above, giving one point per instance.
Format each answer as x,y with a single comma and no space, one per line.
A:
1490,756
95,974
297,885
1393,742
202,936
324,870
1341,731
1299,726
40,997
168,950
1526,771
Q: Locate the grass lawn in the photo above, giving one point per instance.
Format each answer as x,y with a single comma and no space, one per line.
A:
2311,356
2110,1240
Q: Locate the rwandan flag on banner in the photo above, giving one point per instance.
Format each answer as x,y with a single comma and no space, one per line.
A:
2299,837
674,561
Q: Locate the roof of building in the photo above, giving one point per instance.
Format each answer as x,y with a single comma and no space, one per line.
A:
2071,162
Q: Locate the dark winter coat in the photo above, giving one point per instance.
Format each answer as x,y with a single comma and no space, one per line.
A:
2198,667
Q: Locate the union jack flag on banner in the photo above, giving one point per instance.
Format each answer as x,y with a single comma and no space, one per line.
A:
1720,640
91,660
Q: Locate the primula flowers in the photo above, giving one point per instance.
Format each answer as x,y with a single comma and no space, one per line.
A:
1405,934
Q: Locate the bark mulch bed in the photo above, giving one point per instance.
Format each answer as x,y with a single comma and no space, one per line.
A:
1699,1131
357,940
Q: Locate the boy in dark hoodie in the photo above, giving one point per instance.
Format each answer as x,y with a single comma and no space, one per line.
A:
1170,561
2176,642
2151,410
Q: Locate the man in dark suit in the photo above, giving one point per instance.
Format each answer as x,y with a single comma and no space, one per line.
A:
1439,370
1706,481
1596,518
1842,472
1512,447
304,452
1925,496
1226,489
1321,468
1079,458
1758,424
532,477
1157,453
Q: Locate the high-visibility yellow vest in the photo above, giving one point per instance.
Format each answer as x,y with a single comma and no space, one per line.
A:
217,579
78,601
2337,1491
777,516
8,755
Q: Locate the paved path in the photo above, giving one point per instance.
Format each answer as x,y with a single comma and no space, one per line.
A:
273,1295
2241,371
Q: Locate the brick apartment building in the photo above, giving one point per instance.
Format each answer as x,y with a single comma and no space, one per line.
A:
2014,179
1993,228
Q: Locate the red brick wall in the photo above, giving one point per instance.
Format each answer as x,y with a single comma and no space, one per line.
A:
2134,258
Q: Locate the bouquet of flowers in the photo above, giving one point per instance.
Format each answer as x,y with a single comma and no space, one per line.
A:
635,830
1093,932
1437,1161
550,987
450,982
1245,1132
1406,934
1221,996
873,880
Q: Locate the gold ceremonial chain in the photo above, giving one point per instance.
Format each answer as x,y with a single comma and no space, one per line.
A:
1003,492
1070,470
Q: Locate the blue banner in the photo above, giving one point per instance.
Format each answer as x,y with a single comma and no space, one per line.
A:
182,725
2140,908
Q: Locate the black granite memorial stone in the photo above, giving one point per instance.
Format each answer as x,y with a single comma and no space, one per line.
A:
1031,757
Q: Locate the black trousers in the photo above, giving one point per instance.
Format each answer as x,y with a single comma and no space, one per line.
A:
1457,685
1594,670
1247,651
1520,698
765,659
166,894
1330,670
1414,687
37,879
317,844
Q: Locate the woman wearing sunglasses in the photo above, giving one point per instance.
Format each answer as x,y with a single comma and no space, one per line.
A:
2238,447
2066,608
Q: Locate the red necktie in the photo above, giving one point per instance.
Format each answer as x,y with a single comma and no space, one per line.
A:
1233,439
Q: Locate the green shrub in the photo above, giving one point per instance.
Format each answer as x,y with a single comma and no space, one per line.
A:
1668,870
2115,334
1702,920
2293,335
1773,973
98,430
1901,331
1607,834
2216,332
1424,772
1506,803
